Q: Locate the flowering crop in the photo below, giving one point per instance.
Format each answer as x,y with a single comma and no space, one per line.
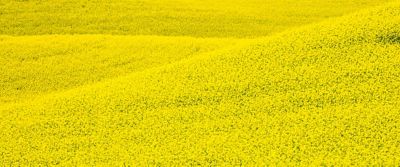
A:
322,94
205,18
53,63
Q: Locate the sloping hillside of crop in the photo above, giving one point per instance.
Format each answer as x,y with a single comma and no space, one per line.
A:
205,18
37,65
323,94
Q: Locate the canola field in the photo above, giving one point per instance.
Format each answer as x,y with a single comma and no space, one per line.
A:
199,83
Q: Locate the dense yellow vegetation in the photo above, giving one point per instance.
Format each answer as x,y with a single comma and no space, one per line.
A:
37,65
321,94
200,18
